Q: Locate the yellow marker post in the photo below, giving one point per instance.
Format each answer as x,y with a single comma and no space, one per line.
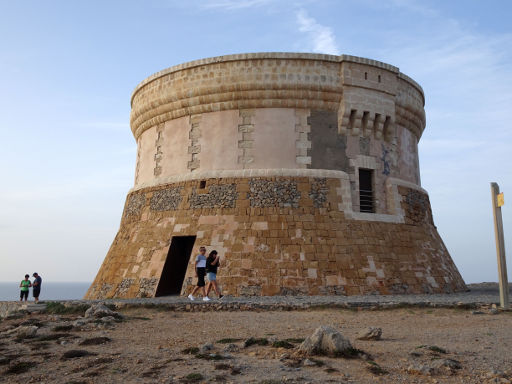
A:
497,202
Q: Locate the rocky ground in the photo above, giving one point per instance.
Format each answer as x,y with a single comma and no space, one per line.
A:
160,345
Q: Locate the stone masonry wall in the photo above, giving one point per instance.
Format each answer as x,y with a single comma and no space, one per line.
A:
277,235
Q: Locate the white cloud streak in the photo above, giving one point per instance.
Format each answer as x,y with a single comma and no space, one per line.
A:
233,5
322,37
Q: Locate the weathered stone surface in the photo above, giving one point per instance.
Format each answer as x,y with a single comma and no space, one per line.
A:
279,193
371,334
134,204
100,310
325,341
217,196
166,199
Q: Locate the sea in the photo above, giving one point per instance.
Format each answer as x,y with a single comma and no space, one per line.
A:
10,291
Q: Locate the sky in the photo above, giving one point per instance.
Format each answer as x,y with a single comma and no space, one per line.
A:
68,68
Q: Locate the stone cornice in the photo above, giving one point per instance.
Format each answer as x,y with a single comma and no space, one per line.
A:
263,80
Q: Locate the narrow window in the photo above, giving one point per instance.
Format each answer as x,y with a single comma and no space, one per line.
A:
366,75
202,184
366,190
379,78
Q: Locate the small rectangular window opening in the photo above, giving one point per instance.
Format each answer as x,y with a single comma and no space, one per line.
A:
202,184
366,75
379,78
366,191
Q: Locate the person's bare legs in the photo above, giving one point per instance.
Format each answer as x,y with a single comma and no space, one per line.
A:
213,284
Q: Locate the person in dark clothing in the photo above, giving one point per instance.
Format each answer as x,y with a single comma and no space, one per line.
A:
212,263
36,286
200,274
25,285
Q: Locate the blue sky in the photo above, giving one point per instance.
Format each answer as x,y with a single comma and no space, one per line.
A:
67,70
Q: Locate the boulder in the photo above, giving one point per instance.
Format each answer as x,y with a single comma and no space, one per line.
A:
101,310
326,341
371,334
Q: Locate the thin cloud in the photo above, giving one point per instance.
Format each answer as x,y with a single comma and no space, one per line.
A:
322,37
231,5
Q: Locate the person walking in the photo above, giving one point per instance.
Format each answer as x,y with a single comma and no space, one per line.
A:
25,285
200,274
36,286
212,263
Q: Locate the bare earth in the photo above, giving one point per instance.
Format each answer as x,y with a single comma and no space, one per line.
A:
148,347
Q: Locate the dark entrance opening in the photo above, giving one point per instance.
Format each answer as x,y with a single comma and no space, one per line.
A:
175,266
366,190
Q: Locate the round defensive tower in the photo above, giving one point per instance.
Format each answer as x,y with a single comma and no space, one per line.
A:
300,169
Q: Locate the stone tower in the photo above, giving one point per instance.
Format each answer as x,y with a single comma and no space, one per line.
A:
301,170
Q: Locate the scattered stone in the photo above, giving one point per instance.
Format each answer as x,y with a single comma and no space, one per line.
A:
108,319
192,378
282,344
371,334
62,328
255,341
25,331
76,353
494,311
421,370
190,351
206,347
308,363
95,341
449,365
222,366
20,367
326,341
432,348
478,313
100,310
375,368
231,348
228,341
80,323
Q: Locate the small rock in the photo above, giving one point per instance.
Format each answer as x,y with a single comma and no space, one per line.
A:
231,348
100,310
447,364
325,341
421,370
371,334
26,331
494,311
308,363
477,313
206,347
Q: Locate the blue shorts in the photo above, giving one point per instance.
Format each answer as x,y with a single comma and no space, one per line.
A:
212,276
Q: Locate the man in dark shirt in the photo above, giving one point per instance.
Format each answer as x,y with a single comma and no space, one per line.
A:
36,286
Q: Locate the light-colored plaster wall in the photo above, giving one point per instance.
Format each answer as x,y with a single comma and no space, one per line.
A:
274,138
219,141
175,147
146,156
408,159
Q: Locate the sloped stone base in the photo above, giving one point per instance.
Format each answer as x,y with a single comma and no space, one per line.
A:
280,235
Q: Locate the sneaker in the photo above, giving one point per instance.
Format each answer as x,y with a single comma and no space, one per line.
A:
206,298
191,297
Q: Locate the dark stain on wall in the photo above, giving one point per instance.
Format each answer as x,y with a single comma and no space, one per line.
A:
327,146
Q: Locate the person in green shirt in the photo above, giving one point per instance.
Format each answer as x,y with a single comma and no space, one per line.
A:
25,285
